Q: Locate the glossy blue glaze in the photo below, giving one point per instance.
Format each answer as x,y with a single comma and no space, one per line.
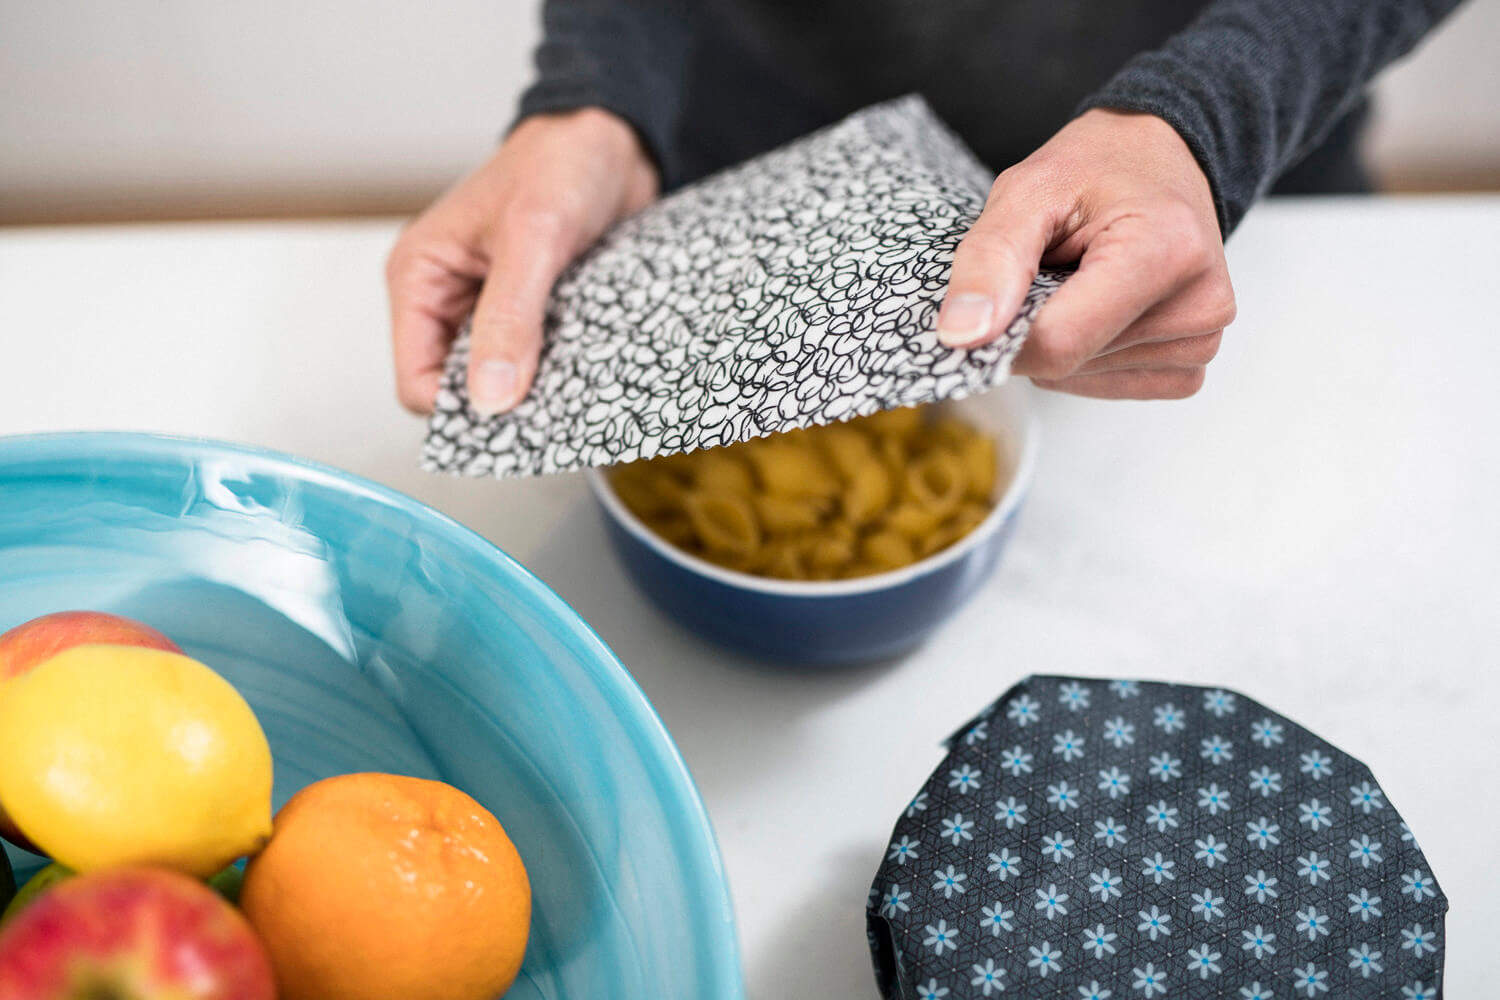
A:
834,622
372,633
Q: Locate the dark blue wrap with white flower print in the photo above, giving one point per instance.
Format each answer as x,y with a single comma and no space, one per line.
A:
1121,840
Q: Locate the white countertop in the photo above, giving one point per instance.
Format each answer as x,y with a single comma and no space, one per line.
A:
1318,527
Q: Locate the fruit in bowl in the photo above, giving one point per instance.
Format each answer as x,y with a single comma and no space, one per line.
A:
132,933
389,886
34,887
35,641
32,642
119,755
146,771
7,882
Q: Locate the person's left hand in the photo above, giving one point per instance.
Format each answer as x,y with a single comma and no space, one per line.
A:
1120,194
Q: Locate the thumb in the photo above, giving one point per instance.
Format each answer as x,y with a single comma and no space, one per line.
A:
506,333
993,267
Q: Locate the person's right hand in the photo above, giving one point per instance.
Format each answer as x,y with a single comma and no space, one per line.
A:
496,243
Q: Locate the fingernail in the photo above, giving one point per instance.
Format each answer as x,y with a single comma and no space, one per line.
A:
964,318
492,388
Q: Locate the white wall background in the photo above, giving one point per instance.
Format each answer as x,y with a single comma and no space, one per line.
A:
185,107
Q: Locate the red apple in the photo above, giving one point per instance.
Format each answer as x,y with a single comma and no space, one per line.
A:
40,639
25,646
132,934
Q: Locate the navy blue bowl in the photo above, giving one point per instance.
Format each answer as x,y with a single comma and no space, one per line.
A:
837,621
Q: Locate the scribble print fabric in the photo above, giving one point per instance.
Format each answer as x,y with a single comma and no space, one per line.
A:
799,288
1090,839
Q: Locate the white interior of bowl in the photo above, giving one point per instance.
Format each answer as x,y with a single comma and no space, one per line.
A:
1004,412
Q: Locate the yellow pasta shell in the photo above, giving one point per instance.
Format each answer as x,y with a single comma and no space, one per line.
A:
793,470
894,455
935,481
981,468
868,493
724,522
679,466
647,492
825,553
784,560
912,521
950,432
780,515
676,528
721,471
970,515
888,550
899,422
847,448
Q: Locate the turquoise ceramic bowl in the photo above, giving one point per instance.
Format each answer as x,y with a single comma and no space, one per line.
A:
371,633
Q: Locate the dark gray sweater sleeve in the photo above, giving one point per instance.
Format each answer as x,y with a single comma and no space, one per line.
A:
1253,85
627,56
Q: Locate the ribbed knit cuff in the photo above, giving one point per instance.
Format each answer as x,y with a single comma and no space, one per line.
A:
1145,85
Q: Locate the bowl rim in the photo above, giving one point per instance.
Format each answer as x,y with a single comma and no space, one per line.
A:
1020,482
620,688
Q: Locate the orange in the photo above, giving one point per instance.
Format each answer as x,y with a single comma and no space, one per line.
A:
378,885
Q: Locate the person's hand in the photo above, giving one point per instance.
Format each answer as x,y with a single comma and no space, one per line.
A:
1121,194
495,244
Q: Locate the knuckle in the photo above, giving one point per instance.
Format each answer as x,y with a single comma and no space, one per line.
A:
1178,218
1201,350
1008,183
505,329
410,399
1181,385
415,236
544,223
1053,358
397,261
991,247
1185,244
495,327
1224,309
1032,186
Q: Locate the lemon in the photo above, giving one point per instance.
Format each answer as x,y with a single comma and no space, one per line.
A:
120,755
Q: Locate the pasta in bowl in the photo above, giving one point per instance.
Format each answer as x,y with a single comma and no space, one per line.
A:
836,544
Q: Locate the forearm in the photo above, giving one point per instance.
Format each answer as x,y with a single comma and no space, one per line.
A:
1253,85
627,56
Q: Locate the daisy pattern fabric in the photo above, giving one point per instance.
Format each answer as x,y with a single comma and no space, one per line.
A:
1121,840
798,288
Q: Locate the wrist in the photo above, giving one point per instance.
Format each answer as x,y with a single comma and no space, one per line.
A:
599,128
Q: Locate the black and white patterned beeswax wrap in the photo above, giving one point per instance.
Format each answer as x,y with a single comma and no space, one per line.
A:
798,288
1139,841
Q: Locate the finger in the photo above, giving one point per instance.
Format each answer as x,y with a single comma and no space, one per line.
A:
1184,352
528,255
1137,383
420,343
1133,263
994,265
1204,306
430,292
